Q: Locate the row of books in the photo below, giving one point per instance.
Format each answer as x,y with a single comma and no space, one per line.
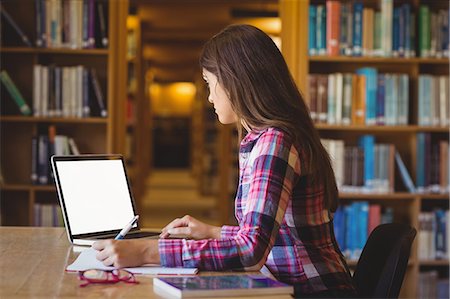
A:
48,215
67,92
350,168
43,146
72,24
353,224
431,286
433,101
433,32
60,92
434,235
351,29
369,167
432,165
364,98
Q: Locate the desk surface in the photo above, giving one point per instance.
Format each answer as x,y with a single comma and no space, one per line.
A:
33,262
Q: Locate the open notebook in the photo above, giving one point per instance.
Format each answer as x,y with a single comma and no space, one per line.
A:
87,260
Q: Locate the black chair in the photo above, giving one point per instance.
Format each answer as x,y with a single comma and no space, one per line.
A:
383,261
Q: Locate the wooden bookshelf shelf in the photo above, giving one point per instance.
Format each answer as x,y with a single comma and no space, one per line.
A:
64,51
394,129
364,128
27,187
383,196
377,60
434,263
31,119
433,129
434,196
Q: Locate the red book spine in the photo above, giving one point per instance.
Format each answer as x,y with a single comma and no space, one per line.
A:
374,217
333,27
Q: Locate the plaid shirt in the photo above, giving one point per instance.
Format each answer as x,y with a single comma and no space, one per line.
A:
283,223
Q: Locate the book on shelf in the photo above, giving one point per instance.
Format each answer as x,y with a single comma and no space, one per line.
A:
98,94
434,235
433,95
43,146
14,25
364,98
432,165
66,91
354,222
404,174
14,93
349,165
358,29
221,286
71,24
47,215
430,285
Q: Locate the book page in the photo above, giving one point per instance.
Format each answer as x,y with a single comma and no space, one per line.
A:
87,260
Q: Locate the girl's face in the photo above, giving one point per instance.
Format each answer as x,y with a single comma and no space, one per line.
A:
219,98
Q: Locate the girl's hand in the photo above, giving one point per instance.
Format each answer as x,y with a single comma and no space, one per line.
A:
189,227
127,253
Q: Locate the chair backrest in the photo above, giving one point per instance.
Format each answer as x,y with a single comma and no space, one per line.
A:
383,261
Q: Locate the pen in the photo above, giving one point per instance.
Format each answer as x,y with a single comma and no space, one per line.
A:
127,228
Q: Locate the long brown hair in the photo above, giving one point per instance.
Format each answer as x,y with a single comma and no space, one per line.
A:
263,93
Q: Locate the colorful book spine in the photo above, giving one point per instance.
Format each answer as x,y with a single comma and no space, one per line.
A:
333,28
15,93
367,143
321,38
312,45
357,28
371,93
424,31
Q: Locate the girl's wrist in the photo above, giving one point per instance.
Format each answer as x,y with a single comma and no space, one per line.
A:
216,232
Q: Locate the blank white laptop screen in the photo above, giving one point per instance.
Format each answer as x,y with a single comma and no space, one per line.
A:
96,195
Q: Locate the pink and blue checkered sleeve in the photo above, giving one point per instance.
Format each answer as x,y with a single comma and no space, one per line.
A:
266,197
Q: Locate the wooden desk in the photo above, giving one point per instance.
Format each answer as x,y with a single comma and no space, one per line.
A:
33,262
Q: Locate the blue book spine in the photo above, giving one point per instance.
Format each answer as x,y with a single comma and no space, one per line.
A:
357,28
367,143
43,24
420,164
339,227
371,93
321,28
388,99
396,32
380,100
407,20
445,33
363,223
441,234
43,159
34,160
312,30
350,227
401,31
406,178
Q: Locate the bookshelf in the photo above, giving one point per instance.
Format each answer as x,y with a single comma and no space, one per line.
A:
92,132
138,112
406,206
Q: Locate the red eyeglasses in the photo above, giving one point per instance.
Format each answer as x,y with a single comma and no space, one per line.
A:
106,276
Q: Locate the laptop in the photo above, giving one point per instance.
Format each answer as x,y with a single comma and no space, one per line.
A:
95,197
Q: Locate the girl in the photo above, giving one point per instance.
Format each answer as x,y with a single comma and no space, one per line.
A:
286,192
